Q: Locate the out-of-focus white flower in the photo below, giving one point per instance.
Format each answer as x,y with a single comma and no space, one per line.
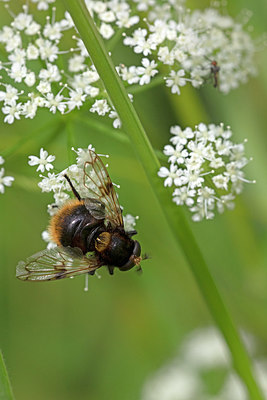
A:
76,63
116,121
9,96
4,180
186,376
106,31
129,222
44,87
43,4
30,79
12,112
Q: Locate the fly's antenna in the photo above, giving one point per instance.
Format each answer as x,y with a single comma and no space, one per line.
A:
76,194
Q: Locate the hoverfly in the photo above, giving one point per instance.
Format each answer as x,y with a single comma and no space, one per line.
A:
89,232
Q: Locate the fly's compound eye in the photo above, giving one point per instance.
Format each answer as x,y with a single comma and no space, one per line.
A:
134,259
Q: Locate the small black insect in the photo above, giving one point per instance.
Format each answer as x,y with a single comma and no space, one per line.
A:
89,233
214,70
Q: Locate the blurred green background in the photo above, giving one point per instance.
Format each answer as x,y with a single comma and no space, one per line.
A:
62,343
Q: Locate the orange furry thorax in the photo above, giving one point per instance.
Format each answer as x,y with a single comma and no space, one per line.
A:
55,225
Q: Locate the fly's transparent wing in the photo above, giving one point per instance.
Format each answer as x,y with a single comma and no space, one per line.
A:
56,263
96,207
96,179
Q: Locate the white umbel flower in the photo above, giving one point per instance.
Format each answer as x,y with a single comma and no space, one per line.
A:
4,180
43,162
206,169
204,46
176,80
177,45
147,71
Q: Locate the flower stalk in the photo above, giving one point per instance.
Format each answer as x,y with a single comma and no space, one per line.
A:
175,217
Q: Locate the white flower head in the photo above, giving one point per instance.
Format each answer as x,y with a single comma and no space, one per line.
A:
100,107
5,180
43,162
129,222
206,169
178,45
83,155
43,4
147,71
106,31
176,80
204,46
77,98
51,182
32,51
9,96
12,112
116,121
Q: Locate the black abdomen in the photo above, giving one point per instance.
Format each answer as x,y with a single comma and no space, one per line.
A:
79,228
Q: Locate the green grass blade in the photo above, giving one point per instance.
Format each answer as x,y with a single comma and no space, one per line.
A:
5,388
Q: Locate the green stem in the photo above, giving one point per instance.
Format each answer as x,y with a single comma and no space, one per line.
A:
5,387
174,215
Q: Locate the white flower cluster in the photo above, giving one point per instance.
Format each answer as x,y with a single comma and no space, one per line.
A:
34,52
202,360
111,15
58,185
205,169
4,180
184,45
